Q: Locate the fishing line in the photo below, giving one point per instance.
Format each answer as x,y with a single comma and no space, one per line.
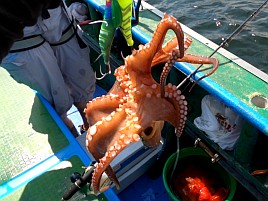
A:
177,157
227,40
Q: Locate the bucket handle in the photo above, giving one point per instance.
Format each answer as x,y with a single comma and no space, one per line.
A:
214,156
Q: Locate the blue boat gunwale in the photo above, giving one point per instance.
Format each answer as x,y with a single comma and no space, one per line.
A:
244,110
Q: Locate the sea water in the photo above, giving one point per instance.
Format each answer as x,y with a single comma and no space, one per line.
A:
217,20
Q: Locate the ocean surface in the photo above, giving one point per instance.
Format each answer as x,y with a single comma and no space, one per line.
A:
217,20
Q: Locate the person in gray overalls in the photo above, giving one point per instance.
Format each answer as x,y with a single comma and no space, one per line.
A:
53,60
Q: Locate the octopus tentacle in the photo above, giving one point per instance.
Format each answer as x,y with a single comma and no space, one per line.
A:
201,60
173,43
163,55
106,126
100,107
190,59
145,54
175,54
101,102
180,105
111,174
126,136
96,141
168,22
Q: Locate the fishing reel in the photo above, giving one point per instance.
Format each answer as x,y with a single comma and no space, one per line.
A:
80,181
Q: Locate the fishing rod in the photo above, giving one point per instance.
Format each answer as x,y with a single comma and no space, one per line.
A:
228,40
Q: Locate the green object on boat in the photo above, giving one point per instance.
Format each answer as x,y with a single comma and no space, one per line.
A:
189,153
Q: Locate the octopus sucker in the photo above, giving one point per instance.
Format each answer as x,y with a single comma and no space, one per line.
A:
88,139
110,149
148,95
136,137
137,106
154,86
166,94
127,141
122,136
92,130
108,118
135,119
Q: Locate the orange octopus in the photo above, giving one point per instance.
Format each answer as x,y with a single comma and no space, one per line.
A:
136,106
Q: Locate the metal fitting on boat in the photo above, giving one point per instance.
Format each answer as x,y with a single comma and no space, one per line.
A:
214,157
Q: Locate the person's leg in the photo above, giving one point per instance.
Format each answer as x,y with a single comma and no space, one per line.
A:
81,106
73,60
70,125
38,69
78,74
